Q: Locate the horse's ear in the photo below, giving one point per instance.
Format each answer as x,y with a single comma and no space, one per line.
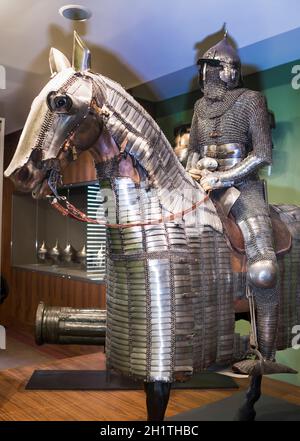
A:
81,55
57,61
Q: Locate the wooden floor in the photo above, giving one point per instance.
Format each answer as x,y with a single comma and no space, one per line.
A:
21,350
18,404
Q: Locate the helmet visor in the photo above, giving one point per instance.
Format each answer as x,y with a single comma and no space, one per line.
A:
209,61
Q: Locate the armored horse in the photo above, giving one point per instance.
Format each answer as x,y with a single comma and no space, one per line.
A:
174,282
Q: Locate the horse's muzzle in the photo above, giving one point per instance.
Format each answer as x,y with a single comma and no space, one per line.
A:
27,178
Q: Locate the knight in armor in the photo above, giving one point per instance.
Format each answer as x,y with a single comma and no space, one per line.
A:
230,141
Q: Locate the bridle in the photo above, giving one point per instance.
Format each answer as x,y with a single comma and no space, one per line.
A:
70,210
54,176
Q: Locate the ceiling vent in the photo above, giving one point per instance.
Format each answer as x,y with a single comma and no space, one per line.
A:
75,12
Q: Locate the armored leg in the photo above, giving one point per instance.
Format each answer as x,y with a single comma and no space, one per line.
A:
262,278
263,282
157,393
252,216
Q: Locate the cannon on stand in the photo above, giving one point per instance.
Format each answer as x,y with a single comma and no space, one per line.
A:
64,325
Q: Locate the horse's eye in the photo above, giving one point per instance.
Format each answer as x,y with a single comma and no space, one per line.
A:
59,103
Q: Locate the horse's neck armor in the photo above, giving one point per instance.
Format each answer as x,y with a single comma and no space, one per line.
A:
129,123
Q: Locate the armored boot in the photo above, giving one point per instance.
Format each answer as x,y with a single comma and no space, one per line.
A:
264,293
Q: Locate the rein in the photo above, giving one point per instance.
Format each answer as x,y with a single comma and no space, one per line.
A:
71,211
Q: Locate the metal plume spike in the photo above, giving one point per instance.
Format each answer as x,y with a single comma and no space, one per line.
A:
81,60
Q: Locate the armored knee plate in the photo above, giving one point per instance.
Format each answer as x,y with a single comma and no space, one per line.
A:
263,274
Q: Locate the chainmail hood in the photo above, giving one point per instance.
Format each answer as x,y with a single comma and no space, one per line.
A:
208,107
214,88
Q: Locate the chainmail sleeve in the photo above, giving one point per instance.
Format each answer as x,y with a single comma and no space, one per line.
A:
194,142
259,129
260,140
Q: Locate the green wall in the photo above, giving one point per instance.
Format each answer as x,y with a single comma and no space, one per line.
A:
283,100
284,176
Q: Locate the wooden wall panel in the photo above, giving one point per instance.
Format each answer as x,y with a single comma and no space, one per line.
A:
28,288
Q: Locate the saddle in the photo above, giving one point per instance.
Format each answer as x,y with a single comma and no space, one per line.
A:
233,233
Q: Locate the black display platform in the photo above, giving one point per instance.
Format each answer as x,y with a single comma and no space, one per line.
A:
267,409
101,380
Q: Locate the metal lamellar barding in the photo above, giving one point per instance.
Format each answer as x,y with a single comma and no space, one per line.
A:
169,307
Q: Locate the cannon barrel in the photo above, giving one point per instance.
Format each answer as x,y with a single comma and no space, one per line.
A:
64,325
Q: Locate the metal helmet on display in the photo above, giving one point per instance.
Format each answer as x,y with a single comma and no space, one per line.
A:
225,56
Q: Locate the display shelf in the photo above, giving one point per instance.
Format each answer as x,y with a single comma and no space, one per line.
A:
60,271
54,244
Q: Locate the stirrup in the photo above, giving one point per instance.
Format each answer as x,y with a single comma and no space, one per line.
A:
261,366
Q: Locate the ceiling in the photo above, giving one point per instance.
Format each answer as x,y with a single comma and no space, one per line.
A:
132,41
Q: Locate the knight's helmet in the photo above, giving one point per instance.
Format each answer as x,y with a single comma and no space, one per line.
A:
225,56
